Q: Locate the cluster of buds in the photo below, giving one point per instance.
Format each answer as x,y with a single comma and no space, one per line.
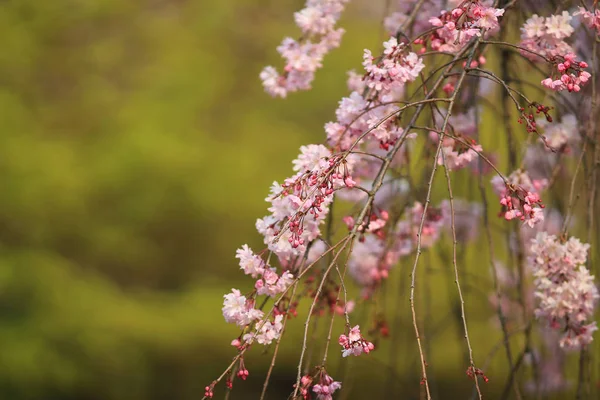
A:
209,390
305,384
242,371
354,343
473,372
519,203
572,74
529,117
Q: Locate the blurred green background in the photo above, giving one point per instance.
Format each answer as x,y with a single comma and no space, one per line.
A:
137,147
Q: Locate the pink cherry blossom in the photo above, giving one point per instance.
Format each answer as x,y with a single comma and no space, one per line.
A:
237,309
565,290
354,343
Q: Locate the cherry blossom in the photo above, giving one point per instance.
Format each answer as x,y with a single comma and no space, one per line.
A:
590,19
545,37
252,264
326,387
270,330
519,197
237,309
304,57
565,289
560,136
397,67
354,344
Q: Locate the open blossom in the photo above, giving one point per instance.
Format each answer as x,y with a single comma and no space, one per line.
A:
237,309
372,259
311,157
590,19
272,284
354,118
326,387
270,330
252,264
408,228
319,16
562,135
559,26
367,263
486,17
397,67
354,343
546,36
566,292
317,22
461,150
456,153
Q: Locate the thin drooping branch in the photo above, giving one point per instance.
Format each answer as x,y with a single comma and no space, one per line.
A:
456,275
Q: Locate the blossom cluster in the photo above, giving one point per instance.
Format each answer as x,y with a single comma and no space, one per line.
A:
403,8
370,116
457,27
301,203
394,69
354,344
373,256
545,36
303,57
519,197
565,289
590,19
459,149
572,74
269,282
324,388
239,310
269,331
561,136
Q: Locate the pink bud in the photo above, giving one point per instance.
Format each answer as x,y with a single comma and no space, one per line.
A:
349,182
457,12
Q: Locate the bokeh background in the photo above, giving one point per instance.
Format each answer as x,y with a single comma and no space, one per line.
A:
137,147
